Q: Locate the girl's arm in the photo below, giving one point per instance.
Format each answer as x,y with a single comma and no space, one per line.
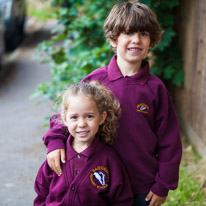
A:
41,184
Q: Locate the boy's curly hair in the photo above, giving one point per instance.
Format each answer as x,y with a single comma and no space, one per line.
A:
105,101
132,17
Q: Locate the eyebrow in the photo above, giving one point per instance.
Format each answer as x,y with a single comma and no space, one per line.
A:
90,113
73,114
84,113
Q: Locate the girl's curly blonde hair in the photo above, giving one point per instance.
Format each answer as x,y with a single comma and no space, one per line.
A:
105,101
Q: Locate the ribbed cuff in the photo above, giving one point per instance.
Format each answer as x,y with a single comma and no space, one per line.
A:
159,190
55,144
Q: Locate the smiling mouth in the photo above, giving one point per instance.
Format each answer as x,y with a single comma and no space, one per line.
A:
134,49
83,133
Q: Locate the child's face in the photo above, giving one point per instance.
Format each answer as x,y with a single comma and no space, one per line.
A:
132,47
83,119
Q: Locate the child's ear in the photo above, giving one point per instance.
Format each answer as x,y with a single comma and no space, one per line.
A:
113,43
103,117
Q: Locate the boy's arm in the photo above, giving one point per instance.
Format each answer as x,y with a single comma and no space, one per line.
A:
55,140
169,148
56,137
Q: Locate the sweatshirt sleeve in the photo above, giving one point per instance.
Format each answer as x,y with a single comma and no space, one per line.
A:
169,148
41,184
56,137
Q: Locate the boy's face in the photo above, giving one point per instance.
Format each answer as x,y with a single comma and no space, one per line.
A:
132,47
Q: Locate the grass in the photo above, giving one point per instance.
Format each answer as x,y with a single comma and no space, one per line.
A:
189,191
40,9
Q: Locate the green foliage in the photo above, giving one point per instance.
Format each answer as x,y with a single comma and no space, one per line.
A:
168,61
41,9
188,192
78,45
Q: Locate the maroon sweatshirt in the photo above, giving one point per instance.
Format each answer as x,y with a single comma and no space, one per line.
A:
101,181
148,138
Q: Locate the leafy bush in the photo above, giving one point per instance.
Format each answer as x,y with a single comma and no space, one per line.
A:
167,64
78,45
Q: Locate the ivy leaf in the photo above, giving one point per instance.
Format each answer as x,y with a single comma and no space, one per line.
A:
168,72
167,39
179,78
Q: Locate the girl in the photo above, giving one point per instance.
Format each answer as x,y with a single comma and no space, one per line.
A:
93,174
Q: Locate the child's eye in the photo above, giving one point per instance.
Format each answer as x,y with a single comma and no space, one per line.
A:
89,116
144,34
128,33
73,117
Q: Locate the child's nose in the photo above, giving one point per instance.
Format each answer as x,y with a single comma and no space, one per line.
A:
136,38
82,122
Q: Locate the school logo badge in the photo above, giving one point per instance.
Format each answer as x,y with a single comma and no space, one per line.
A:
143,108
99,177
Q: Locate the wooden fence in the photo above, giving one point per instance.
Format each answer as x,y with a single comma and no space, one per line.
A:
190,100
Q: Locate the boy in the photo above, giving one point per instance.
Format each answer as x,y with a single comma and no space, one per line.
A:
148,138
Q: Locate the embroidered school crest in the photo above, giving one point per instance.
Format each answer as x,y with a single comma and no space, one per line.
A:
99,177
143,108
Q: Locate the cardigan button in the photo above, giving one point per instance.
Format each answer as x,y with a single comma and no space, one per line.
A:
72,187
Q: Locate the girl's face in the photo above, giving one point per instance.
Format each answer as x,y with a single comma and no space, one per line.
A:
83,119
131,48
